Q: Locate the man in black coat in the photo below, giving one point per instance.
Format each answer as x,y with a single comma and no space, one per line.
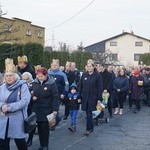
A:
23,66
107,85
147,84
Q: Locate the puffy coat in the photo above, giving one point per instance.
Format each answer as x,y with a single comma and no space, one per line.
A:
72,100
122,83
47,98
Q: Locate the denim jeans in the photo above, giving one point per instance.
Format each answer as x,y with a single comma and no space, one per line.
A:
73,114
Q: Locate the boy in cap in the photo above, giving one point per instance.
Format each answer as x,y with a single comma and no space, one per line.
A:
73,105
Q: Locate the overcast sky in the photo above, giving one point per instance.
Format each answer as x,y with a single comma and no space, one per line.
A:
101,20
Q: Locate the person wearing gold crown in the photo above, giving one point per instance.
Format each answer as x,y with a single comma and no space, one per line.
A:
90,93
14,100
61,82
24,66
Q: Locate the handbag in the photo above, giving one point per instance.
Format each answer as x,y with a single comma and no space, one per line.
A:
30,123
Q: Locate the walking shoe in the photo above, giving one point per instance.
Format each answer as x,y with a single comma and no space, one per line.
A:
88,132
116,111
72,128
135,110
29,143
121,111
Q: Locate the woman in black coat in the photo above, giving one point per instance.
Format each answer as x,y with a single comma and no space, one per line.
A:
90,93
136,89
45,101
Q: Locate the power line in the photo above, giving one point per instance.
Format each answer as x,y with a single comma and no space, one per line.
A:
72,16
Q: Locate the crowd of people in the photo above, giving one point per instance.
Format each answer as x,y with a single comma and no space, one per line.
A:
25,89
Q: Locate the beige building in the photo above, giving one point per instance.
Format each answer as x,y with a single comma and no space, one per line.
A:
123,49
20,31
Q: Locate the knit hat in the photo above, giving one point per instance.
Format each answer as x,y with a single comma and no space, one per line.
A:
136,72
73,86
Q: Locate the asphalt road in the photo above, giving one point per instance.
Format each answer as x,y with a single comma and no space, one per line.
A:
129,131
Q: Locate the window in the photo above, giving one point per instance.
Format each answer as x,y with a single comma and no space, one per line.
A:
7,28
113,57
137,57
138,43
28,32
113,43
40,34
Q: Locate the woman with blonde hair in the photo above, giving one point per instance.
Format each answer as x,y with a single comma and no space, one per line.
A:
14,100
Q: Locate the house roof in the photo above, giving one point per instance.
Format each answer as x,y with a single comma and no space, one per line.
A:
100,46
14,18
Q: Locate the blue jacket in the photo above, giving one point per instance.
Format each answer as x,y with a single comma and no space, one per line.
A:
122,83
15,115
61,80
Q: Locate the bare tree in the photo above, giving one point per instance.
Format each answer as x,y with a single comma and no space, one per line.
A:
1,12
64,47
102,57
7,31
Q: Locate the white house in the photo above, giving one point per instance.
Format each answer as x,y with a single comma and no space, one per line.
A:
124,49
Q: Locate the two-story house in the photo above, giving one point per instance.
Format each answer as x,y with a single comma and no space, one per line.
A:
20,31
124,49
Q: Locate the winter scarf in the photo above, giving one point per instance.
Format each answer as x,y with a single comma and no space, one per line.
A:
15,90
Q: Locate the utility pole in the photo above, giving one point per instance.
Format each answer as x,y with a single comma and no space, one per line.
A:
53,40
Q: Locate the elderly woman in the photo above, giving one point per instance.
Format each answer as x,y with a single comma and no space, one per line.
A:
90,93
27,76
45,101
14,100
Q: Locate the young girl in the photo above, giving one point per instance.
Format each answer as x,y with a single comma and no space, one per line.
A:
73,104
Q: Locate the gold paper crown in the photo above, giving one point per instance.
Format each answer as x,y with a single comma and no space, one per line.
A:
22,58
10,68
37,67
90,61
8,61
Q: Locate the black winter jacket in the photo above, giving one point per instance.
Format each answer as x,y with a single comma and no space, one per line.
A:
47,98
90,90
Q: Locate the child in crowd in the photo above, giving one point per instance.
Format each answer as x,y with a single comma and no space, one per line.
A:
73,104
